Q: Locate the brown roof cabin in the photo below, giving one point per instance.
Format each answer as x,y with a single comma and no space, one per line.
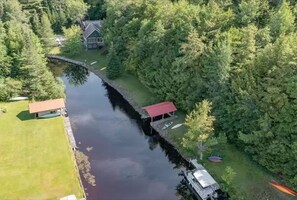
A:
49,108
92,35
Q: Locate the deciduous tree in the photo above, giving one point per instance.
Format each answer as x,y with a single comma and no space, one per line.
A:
200,128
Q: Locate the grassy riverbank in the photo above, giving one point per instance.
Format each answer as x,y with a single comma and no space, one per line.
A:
36,161
251,179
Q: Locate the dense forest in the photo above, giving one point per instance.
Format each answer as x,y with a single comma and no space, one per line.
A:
240,55
26,31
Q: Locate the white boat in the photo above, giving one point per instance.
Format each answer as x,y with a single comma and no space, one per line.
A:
176,126
70,197
50,115
201,183
18,98
167,125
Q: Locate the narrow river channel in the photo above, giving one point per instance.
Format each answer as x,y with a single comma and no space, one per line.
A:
128,161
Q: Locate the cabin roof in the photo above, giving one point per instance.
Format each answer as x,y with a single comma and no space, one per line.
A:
160,108
91,26
48,105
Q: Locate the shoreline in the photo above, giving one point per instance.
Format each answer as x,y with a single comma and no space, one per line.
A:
112,83
70,137
121,91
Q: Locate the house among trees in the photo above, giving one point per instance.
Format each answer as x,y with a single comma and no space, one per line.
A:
93,38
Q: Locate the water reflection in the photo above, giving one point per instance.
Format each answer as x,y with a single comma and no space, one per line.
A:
153,139
129,160
76,75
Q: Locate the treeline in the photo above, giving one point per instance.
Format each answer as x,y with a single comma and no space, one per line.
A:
26,30
240,55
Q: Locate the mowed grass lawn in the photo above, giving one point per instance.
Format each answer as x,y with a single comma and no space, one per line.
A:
36,161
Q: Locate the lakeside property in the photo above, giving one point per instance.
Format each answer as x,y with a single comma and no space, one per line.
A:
36,161
251,180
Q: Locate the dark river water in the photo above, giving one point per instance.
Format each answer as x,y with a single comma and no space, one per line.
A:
129,161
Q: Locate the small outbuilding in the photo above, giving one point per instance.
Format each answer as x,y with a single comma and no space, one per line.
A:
160,109
92,34
50,108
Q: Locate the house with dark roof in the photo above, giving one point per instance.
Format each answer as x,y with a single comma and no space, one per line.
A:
92,34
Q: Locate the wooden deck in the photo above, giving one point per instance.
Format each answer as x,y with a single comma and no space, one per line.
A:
70,133
159,125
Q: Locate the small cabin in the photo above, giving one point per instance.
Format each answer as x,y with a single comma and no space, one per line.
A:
92,34
53,107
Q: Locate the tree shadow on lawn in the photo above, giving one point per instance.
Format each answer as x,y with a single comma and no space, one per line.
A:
24,115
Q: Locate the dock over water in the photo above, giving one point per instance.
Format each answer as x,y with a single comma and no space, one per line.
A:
159,125
70,133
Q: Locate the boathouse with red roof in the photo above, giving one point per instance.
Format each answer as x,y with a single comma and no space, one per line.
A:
160,109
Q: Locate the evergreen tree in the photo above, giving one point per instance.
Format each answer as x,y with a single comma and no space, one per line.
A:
113,65
12,10
35,74
5,60
253,11
46,32
282,22
35,23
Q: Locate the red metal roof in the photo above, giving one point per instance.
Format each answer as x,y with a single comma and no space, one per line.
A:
48,105
160,109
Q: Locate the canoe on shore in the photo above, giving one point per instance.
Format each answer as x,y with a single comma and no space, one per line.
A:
176,126
215,159
284,189
18,98
49,115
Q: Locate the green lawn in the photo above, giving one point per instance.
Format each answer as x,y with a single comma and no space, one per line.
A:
36,161
251,179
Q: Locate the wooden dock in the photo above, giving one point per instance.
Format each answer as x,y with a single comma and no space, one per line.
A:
70,133
159,125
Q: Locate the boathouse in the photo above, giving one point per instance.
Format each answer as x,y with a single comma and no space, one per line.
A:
160,109
43,108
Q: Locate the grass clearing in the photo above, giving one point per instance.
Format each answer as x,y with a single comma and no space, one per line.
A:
251,179
36,161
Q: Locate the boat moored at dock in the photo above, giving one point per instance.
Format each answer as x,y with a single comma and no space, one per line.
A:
201,183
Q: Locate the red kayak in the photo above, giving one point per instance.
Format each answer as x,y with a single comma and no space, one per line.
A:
284,189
